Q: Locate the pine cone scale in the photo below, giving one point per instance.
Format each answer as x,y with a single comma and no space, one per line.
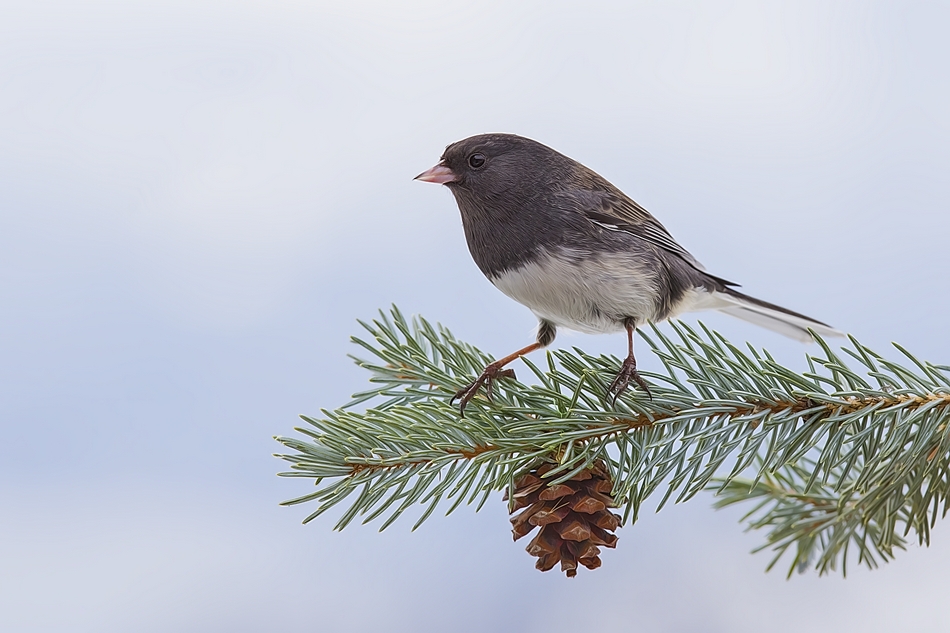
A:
545,542
573,529
546,516
556,492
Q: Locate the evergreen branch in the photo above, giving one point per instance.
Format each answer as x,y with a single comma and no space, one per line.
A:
824,524
836,458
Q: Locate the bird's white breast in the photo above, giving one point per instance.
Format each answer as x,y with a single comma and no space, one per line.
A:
585,292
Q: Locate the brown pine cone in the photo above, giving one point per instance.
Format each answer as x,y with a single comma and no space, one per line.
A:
573,516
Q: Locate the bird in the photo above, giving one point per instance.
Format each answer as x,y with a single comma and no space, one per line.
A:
560,239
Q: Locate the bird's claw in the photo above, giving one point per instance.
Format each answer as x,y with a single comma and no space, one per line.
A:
487,378
628,372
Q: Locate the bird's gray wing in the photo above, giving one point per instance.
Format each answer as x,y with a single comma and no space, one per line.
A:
617,212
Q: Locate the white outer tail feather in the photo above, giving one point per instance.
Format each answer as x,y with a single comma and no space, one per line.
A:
786,324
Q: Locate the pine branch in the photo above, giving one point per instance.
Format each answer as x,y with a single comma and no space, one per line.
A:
836,459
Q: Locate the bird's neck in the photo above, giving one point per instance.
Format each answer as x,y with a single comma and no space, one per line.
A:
498,236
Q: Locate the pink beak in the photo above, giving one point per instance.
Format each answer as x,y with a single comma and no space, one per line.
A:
440,174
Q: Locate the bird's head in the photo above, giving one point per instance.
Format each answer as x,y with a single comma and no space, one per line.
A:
493,166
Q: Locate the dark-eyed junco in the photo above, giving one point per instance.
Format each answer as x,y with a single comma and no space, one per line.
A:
558,238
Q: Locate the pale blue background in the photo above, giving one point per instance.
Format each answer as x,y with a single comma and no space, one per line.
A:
198,199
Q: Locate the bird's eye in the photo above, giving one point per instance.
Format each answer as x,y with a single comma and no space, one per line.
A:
476,160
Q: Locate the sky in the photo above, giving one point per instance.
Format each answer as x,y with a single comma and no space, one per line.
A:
199,199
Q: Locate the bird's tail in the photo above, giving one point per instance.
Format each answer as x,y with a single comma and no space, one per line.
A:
767,315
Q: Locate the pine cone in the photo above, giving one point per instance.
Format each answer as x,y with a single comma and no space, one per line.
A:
572,515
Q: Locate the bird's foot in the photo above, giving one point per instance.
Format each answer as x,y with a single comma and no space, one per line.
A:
487,378
628,372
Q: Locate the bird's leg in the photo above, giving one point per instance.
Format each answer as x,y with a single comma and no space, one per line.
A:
489,374
546,333
628,370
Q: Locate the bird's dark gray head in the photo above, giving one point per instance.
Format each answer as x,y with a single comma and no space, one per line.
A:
506,187
490,167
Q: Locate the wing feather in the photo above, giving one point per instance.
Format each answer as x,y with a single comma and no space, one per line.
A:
614,211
